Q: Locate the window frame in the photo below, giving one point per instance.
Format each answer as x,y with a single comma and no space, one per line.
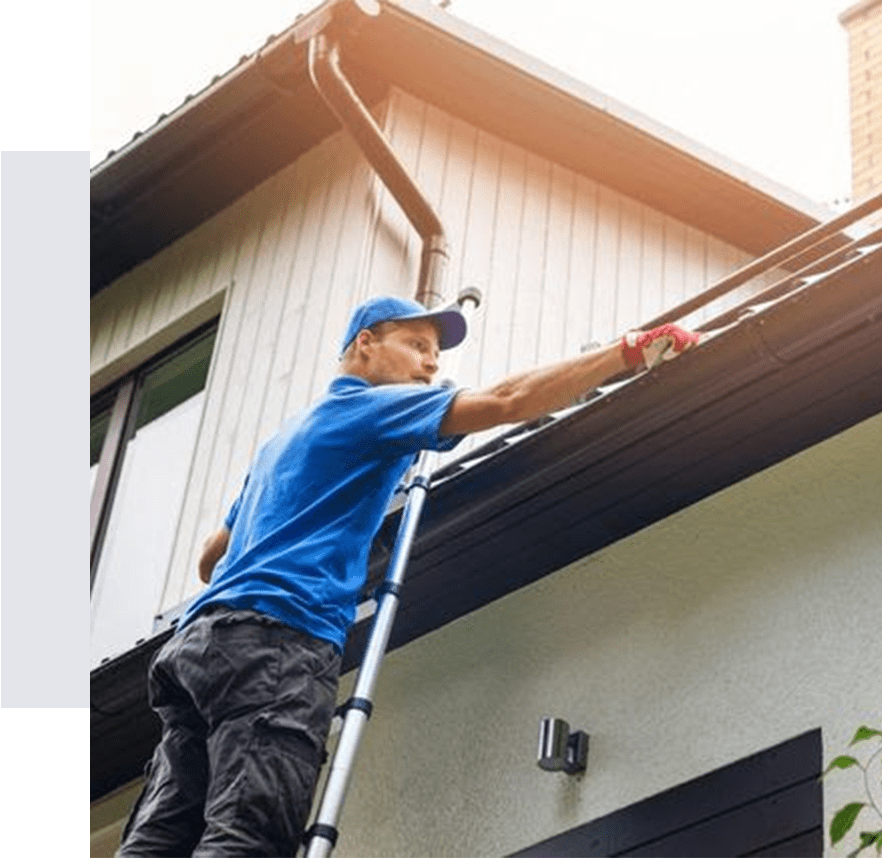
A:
125,395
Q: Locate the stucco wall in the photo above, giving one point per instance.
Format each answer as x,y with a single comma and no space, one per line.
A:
736,624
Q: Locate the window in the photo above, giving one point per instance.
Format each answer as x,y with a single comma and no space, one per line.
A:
142,435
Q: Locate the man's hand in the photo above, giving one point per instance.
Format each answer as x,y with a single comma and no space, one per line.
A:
650,348
212,550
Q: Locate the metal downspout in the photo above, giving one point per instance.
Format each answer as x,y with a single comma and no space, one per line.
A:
341,98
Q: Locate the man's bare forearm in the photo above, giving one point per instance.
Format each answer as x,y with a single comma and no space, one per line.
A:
533,393
545,389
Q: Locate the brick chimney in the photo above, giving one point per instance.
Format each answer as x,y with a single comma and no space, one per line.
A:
863,23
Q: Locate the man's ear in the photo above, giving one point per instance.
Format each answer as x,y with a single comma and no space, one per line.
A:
365,337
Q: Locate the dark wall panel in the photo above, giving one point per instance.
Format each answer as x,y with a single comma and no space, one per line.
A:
769,803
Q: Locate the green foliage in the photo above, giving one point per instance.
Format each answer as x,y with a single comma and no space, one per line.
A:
845,818
868,838
842,763
864,733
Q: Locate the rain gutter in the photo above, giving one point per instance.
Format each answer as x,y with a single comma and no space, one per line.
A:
343,101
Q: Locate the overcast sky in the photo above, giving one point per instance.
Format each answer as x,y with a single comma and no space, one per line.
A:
763,82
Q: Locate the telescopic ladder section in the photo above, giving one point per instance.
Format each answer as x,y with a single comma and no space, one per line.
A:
357,710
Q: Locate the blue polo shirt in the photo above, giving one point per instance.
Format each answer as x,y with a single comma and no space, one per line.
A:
302,526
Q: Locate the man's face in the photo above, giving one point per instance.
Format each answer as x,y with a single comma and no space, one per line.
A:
403,353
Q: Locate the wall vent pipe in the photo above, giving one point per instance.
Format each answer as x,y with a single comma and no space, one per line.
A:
345,104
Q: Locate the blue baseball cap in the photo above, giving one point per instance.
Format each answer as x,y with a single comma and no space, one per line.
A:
450,322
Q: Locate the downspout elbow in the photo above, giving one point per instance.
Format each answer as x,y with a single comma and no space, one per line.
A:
344,103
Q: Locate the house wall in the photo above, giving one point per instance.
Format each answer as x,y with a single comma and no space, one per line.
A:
740,622
561,260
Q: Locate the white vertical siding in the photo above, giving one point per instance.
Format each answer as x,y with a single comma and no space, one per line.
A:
156,303
388,258
561,261
582,264
473,266
558,239
295,281
522,340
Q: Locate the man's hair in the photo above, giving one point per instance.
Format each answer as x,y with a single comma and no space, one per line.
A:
379,330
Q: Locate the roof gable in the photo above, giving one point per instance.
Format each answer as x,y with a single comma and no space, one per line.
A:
265,113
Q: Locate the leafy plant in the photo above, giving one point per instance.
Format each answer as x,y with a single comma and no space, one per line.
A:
846,817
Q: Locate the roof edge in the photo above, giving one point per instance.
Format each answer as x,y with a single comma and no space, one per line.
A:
496,50
500,51
303,26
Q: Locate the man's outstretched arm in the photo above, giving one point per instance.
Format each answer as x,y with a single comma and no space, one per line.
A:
540,391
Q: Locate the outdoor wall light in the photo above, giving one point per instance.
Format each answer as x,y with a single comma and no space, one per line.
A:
560,750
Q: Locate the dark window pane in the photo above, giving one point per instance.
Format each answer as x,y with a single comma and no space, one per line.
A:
180,376
97,432
100,410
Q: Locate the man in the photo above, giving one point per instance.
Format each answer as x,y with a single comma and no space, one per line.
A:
247,686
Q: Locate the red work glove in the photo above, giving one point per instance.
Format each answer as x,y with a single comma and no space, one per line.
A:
650,348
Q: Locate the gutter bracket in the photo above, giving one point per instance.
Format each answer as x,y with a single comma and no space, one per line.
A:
752,327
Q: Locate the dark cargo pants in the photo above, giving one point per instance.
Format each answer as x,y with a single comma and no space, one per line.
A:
246,703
